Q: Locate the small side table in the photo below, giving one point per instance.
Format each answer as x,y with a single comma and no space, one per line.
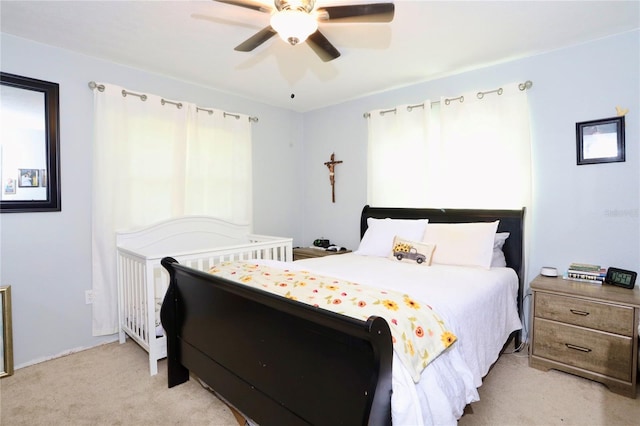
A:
586,329
308,253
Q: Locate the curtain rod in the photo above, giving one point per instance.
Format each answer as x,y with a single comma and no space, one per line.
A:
143,97
522,86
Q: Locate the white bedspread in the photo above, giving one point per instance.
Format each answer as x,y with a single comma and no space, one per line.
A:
478,305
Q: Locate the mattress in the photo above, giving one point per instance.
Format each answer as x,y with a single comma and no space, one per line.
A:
478,305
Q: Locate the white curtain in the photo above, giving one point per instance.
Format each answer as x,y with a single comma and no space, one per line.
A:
398,156
485,150
470,154
219,167
153,161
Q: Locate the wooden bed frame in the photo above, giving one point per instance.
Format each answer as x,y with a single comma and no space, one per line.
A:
280,361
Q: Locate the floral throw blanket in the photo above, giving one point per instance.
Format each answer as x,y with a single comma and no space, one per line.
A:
419,334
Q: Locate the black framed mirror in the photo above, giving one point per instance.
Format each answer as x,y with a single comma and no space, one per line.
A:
29,145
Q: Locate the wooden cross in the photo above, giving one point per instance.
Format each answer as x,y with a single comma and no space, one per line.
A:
332,175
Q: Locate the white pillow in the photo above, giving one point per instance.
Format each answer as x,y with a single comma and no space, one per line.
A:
498,260
464,244
378,238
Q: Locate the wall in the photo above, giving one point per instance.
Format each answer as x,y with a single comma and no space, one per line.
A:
580,213
587,213
46,257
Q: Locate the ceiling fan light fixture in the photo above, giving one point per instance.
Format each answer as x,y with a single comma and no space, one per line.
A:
294,26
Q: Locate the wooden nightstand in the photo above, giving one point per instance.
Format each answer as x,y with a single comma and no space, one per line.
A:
588,330
308,252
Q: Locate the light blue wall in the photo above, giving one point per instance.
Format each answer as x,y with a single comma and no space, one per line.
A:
581,213
46,257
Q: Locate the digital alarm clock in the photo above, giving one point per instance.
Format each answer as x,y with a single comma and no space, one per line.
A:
621,277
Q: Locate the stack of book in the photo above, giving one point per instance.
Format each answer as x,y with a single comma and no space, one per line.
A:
585,272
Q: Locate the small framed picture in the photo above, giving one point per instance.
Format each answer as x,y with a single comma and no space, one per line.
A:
10,186
29,178
600,141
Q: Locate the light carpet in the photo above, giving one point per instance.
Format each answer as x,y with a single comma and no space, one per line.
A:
110,385
515,394
106,385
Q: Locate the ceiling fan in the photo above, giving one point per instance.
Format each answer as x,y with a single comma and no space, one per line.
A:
297,20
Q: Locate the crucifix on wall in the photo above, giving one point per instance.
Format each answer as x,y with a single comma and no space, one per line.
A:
331,164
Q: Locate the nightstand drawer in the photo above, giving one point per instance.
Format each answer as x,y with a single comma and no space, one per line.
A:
603,353
585,313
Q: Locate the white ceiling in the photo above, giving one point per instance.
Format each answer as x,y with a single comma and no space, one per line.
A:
194,40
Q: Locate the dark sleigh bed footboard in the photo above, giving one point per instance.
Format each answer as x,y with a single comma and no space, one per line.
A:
276,360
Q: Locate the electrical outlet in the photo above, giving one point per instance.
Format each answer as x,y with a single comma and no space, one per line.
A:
88,297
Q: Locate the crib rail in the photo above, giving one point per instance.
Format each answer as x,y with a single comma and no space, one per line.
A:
136,299
142,283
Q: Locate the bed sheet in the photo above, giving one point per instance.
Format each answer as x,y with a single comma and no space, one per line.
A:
478,305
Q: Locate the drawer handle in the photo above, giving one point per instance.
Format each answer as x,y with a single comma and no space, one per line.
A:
577,312
577,348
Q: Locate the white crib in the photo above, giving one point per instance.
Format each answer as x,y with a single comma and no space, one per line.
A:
199,242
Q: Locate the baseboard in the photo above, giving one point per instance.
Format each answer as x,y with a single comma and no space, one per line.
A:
65,353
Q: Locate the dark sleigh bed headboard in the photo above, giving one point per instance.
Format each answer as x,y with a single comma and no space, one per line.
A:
511,221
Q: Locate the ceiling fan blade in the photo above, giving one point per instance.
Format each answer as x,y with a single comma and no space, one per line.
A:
254,5
256,40
373,12
323,47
